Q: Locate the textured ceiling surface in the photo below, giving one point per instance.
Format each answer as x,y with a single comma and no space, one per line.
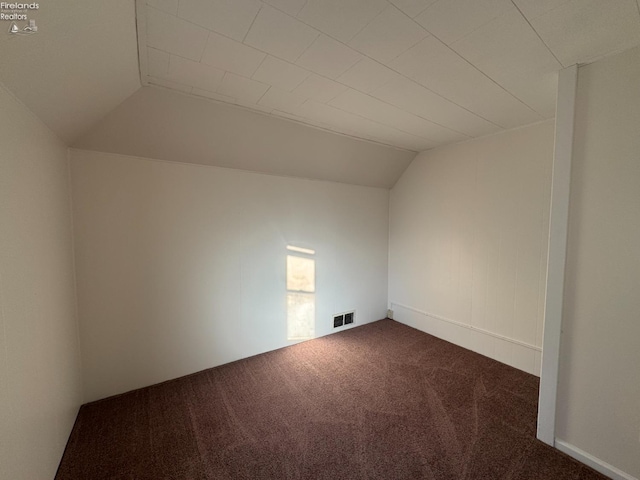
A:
409,73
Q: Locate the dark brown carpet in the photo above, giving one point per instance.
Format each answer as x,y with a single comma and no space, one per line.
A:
381,401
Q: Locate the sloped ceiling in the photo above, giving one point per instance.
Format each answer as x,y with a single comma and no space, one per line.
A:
81,63
409,73
161,124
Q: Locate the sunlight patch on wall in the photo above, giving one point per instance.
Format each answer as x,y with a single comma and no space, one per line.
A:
301,287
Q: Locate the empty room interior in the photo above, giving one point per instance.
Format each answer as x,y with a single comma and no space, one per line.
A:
320,239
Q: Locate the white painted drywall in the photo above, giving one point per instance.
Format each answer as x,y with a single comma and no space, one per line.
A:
40,384
182,267
159,123
468,243
599,382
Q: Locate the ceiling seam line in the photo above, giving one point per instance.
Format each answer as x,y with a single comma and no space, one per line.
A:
372,59
206,44
537,34
404,111
348,46
365,26
262,96
306,50
418,14
342,84
467,61
398,129
389,126
511,94
258,68
327,103
251,26
408,78
380,63
328,128
350,135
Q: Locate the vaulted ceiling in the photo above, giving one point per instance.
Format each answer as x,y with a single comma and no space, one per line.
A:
232,82
408,73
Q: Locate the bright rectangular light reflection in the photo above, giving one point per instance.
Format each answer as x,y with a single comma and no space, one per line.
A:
301,274
301,315
301,298
308,251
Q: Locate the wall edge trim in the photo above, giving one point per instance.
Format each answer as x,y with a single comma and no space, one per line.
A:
592,461
467,326
557,248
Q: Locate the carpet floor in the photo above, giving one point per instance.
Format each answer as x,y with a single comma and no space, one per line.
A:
381,401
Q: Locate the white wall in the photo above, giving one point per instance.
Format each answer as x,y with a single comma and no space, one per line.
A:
182,267
468,243
40,384
599,381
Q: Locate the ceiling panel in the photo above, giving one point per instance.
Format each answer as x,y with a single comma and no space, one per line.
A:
231,18
398,138
582,30
537,90
416,99
280,74
173,35
535,8
412,8
277,99
393,71
364,105
242,88
353,124
327,114
512,54
279,34
157,62
367,75
437,67
451,20
169,6
222,52
303,120
505,45
319,88
290,7
388,35
212,95
328,57
180,87
341,19
194,74
218,97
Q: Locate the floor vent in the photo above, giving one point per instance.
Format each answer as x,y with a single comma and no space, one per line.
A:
344,319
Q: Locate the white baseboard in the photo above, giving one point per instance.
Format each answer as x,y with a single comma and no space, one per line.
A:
593,462
503,349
